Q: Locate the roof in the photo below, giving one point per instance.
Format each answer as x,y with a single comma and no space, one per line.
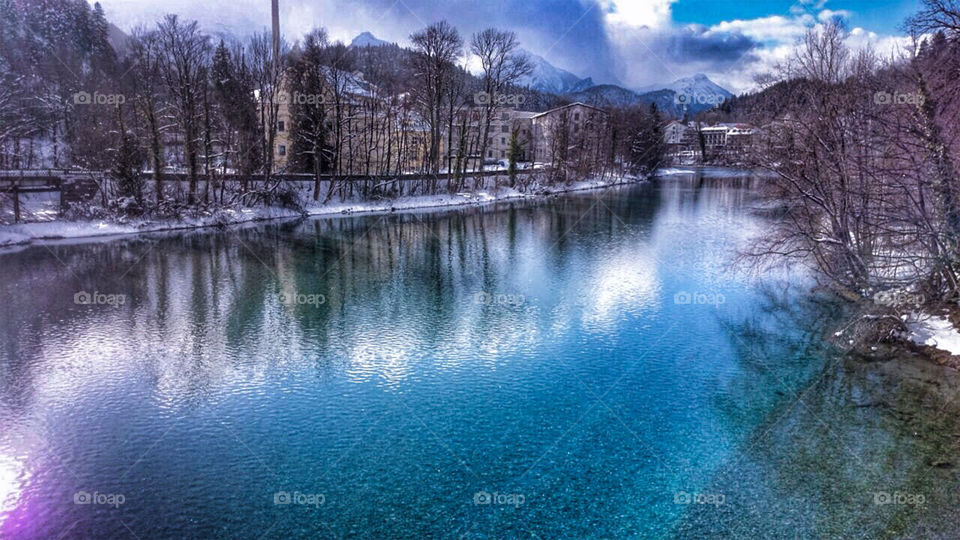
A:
580,103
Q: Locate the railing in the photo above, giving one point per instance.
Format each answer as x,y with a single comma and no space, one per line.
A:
21,181
299,177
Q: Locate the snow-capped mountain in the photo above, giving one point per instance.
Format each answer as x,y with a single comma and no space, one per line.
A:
698,85
548,78
367,39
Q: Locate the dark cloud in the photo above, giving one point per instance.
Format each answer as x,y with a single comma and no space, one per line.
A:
697,44
571,34
568,32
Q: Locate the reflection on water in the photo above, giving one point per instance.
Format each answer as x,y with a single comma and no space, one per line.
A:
593,353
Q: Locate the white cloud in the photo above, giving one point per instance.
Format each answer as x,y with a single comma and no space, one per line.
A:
638,14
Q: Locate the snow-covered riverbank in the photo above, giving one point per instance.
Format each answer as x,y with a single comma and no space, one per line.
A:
13,235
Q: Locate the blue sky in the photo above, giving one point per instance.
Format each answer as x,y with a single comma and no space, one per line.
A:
635,43
882,16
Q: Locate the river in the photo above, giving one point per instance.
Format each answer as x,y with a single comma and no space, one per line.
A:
592,365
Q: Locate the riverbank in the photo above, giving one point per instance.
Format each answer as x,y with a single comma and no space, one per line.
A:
27,233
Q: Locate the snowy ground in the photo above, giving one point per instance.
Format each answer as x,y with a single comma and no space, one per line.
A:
11,235
937,332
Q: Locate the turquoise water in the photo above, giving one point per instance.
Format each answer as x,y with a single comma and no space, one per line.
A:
589,366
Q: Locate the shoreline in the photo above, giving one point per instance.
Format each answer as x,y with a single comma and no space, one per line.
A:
60,231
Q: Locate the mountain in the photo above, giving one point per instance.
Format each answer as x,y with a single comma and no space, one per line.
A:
699,85
367,39
548,78
697,93
606,95
691,95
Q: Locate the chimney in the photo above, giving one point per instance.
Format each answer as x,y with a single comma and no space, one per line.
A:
275,4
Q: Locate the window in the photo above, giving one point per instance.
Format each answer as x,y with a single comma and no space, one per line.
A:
281,126
576,116
489,153
504,117
503,140
282,150
503,154
505,129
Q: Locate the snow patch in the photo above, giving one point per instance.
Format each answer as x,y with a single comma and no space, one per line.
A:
13,235
936,332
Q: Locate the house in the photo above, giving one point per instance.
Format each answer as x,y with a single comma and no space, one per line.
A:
467,133
374,133
571,133
674,133
721,139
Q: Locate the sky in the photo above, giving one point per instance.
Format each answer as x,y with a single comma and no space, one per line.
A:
634,43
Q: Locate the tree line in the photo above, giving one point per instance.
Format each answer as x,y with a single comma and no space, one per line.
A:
76,92
864,158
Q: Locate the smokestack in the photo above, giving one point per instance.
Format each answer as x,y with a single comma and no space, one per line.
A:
275,4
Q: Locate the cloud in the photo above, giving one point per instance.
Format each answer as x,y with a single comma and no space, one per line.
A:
636,43
637,14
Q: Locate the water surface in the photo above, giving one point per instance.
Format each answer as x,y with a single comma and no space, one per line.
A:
588,366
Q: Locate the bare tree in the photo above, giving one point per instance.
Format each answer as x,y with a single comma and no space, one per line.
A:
268,73
184,55
437,48
936,15
148,100
502,66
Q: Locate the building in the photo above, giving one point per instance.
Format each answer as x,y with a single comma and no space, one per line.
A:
375,134
569,134
468,132
686,142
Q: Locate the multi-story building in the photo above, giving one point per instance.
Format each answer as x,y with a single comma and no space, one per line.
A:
685,141
468,131
576,128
